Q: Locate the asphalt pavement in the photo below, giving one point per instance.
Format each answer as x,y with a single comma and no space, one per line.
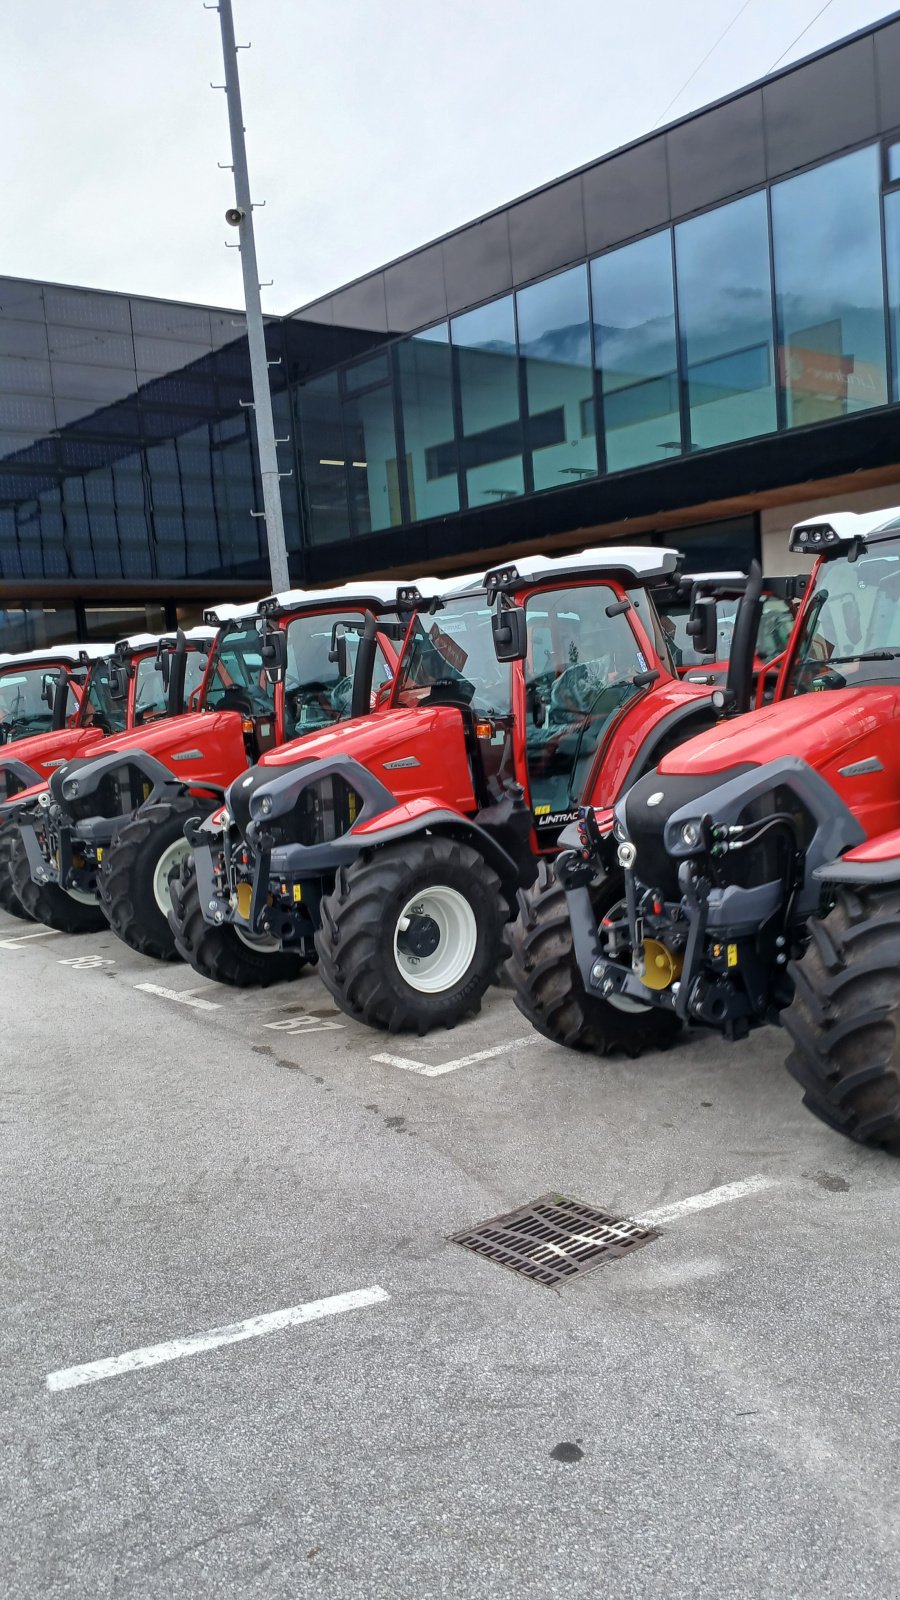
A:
712,1416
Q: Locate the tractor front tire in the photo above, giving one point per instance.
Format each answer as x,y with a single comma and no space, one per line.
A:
844,1019
9,900
48,903
412,935
217,951
138,870
547,983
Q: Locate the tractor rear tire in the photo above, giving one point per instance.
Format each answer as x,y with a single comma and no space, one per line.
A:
218,952
9,900
844,1019
137,872
434,971
547,982
47,902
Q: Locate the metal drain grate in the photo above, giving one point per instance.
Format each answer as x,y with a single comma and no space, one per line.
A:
554,1239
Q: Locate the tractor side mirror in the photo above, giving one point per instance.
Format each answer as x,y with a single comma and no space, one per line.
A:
49,683
510,632
274,654
702,626
118,682
339,654
164,662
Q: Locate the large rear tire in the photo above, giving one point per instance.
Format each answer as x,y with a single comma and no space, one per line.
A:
9,900
844,1019
412,935
218,952
137,872
547,983
48,903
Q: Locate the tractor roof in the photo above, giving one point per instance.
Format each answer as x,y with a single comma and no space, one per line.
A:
377,594
635,566
56,655
836,531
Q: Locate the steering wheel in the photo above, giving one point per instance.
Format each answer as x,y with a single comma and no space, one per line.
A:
235,700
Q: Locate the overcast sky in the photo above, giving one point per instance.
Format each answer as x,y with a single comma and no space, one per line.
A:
372,125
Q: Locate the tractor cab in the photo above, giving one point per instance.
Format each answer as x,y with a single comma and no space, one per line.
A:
37,687
699,613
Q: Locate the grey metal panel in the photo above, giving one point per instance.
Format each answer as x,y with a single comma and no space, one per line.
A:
547,230
415,291
626,195
477,262
362,305
320,311
821,108
717,155
887,72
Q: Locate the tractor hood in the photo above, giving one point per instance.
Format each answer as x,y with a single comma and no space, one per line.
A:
819,728
44,752
412,750
171,735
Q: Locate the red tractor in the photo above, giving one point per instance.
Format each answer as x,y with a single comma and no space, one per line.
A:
110,828
754,875
394,849
699,613
27,688
112,687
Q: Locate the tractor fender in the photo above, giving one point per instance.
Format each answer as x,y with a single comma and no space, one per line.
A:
874,861
671,730
24,775
427,815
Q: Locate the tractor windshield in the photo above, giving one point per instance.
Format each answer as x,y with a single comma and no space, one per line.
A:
26,701
851,633
450,657
578,675
237,681
100,708
321,660
149,691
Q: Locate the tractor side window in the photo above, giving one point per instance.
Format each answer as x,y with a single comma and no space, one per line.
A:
102,710
775,626
24,709
450,659
194,668
578,676
851,633
238,680
318,682
149,691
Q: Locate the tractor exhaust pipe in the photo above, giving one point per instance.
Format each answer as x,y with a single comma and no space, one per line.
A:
739,681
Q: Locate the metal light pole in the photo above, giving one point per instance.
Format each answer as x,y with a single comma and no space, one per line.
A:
242,218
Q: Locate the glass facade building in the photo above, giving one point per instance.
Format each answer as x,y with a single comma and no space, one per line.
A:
654,345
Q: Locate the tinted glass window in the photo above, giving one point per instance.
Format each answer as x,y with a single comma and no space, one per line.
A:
485,342
324,473
318,690
149,691
23,707
238,680
102,709
828,279
370,456
892,241
725,306
854,611
451,658
636,352
578,675
555,341
426,398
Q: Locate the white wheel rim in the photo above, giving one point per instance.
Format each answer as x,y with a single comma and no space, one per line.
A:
165,866
82,897
457,937
265,944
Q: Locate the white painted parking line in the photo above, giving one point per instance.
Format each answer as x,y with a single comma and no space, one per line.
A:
194,1344
436,1069
186,998
711,1197
19,939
